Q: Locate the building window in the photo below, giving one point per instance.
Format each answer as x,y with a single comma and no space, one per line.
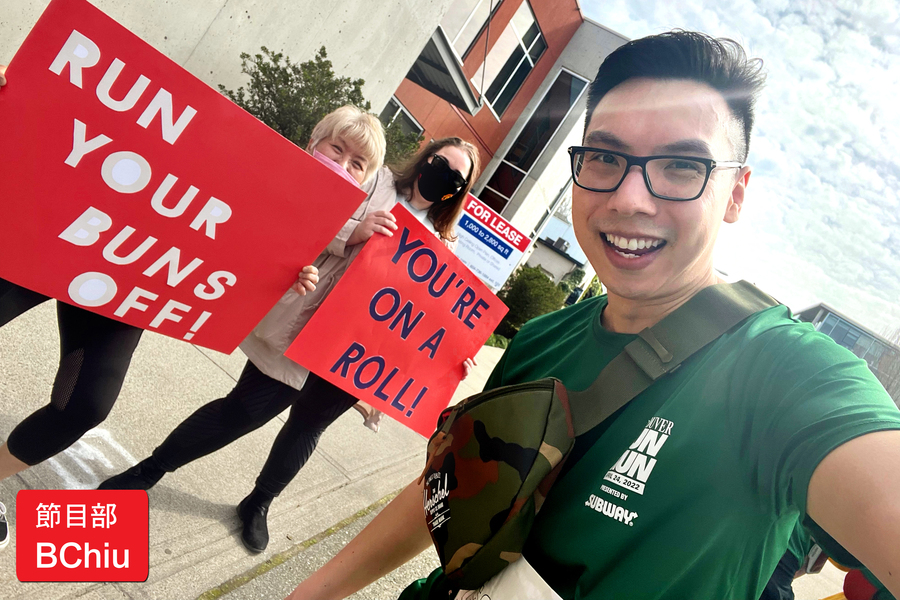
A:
862,346
464,21
533,139
850,339
394,111
843,333
873,356
510,60
828,324
839,331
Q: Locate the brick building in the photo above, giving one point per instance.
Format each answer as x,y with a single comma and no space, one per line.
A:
510,76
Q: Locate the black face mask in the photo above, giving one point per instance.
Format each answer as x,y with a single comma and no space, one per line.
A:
438,182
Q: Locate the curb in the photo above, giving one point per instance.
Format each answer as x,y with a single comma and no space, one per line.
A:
297,549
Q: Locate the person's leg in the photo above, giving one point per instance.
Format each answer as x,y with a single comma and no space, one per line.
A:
318,406
255,400
779,585
371,417
95,355
362,409
9,464
15,300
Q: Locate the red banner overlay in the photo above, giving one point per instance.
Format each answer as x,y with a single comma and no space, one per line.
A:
397,327
133,189
82,535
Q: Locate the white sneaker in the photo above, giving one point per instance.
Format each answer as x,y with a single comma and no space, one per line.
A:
4,527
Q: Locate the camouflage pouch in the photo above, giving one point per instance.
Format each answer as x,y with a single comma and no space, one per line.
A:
495,455
508,445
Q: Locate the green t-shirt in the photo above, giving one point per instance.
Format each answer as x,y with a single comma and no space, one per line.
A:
693,488
800,542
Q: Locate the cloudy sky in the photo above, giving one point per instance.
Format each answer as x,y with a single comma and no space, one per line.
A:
822,217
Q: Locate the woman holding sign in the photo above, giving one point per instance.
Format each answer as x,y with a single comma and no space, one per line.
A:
425,187
95,355
443,170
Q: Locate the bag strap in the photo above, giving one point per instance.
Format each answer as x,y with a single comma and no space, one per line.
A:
662,348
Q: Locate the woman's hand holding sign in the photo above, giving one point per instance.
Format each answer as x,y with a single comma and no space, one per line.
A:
380,221
468,366
306,280
2,75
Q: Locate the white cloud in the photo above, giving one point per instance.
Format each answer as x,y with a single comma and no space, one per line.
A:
822,218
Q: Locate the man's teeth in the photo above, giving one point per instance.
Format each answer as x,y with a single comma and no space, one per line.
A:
632,243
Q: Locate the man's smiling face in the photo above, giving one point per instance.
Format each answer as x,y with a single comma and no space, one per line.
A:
642,247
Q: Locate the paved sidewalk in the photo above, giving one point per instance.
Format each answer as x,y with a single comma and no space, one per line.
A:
195,549
194,533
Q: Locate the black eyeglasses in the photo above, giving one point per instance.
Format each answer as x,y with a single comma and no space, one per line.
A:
669,177
458,181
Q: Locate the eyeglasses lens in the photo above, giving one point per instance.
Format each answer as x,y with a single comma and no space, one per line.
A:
676,178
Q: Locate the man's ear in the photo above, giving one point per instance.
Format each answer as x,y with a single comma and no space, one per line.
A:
736,201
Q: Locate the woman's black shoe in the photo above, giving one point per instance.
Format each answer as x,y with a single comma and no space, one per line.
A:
141,476
255,534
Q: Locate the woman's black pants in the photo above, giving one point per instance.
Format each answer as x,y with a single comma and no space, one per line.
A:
254,401
95,354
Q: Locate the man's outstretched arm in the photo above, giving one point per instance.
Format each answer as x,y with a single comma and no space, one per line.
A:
854,495
393,537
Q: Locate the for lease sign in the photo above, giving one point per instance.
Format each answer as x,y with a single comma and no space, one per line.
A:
132,189
488,243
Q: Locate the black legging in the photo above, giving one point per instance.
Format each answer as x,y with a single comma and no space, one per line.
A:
254,401
779,585
95,354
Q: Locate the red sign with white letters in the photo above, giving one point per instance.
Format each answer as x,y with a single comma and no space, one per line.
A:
136,191
410,314
499,226
82,535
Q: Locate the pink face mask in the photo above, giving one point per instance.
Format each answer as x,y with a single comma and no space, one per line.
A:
334,167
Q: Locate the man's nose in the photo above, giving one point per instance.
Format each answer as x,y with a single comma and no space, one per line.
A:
633,197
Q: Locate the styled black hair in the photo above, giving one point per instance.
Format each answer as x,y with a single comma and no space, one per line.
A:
720,63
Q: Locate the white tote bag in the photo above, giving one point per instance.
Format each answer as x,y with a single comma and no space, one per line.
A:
518,581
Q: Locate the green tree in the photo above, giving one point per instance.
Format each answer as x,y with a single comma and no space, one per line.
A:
593,289
529,293
572,280
400,144
292,97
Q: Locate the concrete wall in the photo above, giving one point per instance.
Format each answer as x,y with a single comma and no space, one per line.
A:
557,265
377,41
582,56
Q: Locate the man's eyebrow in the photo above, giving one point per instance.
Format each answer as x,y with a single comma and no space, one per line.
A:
604,139
690,147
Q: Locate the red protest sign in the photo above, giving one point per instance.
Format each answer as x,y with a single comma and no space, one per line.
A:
134,190
82,535
398,325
